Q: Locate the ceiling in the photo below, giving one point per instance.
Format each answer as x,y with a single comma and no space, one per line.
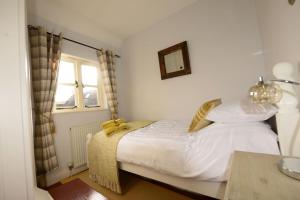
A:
124,18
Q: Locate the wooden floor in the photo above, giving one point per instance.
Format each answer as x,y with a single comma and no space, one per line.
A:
133,188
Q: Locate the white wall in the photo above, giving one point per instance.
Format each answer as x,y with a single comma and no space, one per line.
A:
16,156
73,26
279,25
70,22
224,47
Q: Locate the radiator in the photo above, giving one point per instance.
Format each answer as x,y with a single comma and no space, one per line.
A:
78,142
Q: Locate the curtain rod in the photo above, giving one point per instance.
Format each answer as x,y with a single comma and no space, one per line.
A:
74,41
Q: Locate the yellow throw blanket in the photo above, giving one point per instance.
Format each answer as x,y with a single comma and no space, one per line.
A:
114,126
102,155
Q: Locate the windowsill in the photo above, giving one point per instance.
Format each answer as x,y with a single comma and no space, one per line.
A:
78,110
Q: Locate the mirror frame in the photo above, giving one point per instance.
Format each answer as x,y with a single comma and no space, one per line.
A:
185,56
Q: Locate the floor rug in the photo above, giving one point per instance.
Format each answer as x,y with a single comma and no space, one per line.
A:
75,190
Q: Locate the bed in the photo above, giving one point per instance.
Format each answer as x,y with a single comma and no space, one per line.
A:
163,151
197,162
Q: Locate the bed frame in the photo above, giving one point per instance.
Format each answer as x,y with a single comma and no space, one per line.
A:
203,188
286,124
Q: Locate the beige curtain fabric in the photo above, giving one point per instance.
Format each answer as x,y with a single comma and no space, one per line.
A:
45,55
107,67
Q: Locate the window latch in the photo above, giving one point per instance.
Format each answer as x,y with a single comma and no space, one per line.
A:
96,106
76,84
62,108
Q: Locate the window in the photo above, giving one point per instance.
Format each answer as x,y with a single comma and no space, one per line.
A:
79,86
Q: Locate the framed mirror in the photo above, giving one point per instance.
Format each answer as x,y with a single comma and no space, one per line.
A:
174,61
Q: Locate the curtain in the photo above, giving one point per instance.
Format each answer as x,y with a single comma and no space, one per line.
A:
107,67
45,52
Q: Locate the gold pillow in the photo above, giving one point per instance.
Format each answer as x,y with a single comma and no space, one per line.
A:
199,120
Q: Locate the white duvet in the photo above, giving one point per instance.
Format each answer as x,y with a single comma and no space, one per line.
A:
165,146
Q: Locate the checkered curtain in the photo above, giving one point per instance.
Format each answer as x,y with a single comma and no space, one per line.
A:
107,67
45,55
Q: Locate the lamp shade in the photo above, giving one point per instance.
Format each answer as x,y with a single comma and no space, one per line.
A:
265,92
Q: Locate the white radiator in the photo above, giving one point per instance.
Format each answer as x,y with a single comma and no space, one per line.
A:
78,141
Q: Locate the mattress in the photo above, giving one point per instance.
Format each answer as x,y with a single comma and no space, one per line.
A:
166,147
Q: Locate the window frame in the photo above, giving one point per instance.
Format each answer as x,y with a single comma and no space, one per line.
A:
79,101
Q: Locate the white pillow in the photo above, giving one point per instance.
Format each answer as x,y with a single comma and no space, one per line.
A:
243,111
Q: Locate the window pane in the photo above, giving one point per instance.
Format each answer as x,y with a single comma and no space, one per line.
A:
89,75
65,96
90,96
66,73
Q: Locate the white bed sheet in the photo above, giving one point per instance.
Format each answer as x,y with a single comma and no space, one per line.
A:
166,147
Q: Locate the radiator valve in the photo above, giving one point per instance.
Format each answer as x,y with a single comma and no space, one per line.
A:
70,166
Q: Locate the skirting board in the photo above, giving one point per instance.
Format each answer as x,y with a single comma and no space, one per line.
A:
57,175
208,188
42,194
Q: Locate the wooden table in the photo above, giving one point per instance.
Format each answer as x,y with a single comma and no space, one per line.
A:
256,176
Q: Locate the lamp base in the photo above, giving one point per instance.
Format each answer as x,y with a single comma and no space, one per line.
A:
290,167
